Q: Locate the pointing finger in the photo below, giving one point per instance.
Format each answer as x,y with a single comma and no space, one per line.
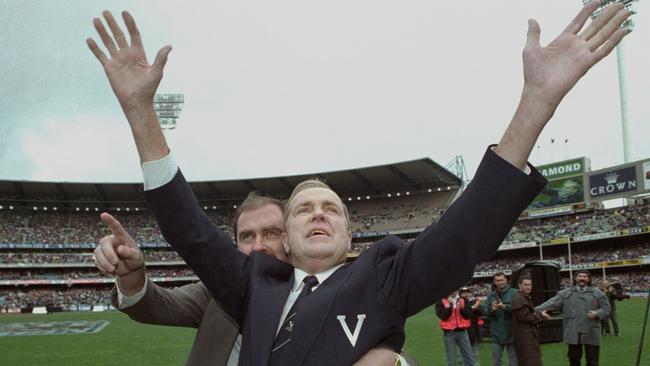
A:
115,227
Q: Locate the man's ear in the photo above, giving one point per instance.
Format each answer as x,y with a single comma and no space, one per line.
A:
285,242
349,240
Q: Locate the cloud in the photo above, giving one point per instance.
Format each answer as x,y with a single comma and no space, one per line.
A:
82,147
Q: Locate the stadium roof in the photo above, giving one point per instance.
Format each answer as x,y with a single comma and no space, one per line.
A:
412,175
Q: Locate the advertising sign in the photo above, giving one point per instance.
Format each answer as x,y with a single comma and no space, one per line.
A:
613,182
561,169
560,192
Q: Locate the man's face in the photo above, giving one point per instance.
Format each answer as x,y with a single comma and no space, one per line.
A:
582,279
500,282
316,229
526,286
260,230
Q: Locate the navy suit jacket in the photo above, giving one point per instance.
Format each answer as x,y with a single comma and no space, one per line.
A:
364,303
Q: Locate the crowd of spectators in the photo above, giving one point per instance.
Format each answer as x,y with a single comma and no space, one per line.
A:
89,273
68,298
151,256
581,257
375,215
591,222
65,226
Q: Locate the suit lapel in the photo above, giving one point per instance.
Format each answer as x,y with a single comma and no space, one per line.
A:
267,302
318,305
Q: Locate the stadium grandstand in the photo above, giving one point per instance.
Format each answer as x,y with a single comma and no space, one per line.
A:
49,230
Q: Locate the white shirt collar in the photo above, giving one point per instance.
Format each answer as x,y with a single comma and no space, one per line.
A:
299,275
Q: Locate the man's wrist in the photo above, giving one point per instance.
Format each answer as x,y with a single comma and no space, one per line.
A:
131,283
538,102
138,110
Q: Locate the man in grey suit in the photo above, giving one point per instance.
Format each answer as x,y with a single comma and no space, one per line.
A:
258,224
583,307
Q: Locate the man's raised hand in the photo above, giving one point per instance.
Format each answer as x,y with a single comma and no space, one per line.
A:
551,71
133,79
118,253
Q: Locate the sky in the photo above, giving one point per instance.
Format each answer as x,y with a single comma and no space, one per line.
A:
276,88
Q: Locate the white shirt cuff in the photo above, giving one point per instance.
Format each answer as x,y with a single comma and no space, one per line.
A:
157,173
124,301
526,168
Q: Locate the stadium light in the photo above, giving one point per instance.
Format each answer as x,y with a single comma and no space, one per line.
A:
398,194
54,208
87,209
408,193
168,109
205,208
96,209
367,197
137,209
44,208
214,207
119,209
358,198
234,206
439,189
429,190
1,207
349,199
35,208
389,195
11,207
77,209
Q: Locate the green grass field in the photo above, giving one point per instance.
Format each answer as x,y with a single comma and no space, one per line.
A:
124,342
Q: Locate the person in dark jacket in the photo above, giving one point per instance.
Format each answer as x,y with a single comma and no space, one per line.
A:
613,294
455,315
474,331
524,325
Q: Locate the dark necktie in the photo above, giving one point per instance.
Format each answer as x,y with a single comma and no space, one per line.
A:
280,352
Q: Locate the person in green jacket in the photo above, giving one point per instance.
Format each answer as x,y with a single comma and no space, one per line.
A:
497,308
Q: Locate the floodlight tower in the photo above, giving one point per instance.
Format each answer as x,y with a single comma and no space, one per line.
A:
630,5
168,109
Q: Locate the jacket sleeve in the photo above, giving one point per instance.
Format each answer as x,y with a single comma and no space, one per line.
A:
442,312
554,303
183,306
210,252
442,258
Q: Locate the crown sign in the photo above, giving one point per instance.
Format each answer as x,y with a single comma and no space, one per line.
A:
611,178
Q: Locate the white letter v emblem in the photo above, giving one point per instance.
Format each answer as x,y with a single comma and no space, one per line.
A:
352,337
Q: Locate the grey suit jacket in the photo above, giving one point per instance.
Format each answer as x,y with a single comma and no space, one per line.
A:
188,306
